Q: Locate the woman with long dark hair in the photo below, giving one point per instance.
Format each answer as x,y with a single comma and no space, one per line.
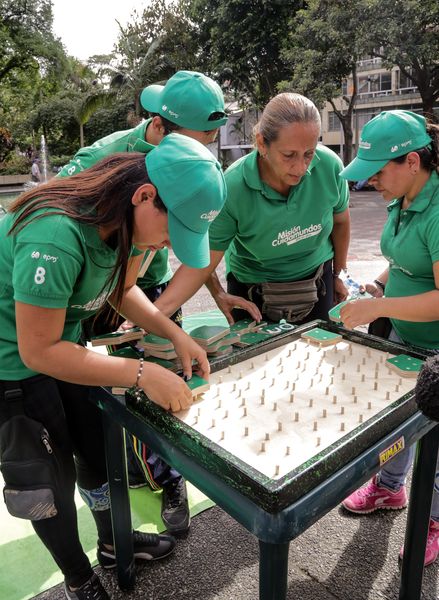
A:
64,247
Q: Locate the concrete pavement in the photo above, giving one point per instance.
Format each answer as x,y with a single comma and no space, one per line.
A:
341,557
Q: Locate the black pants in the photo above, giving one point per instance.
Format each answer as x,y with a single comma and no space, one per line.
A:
320,310
74,426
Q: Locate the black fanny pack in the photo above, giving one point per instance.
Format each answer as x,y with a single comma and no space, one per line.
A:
27,463
290,300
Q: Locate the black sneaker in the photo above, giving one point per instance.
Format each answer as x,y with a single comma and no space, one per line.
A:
91,590
147,546
175,507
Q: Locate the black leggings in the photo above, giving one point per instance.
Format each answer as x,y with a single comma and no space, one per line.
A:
74,426
320,310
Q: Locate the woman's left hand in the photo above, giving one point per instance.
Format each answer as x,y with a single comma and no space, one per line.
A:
227,302
188,350
340,290
359,312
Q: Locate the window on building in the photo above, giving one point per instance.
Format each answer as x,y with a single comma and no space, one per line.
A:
405,84
378,83
333,122
361,117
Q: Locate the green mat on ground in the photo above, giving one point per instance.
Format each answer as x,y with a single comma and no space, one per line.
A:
27,569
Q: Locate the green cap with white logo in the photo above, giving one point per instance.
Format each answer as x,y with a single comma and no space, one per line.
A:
191,184
189,99
390,134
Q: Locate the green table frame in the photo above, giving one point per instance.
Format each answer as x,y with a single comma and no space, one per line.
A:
276,512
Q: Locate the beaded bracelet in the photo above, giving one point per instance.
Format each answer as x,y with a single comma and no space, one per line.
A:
138,389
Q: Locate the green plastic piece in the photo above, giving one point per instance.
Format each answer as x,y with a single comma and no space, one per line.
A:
156,340
248,339
321,335
126,352
406,363
334,313
208,332
243,324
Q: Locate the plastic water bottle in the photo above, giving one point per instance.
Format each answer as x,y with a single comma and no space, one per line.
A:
352,286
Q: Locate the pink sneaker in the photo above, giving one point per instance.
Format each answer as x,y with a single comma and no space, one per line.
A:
375,497
432,549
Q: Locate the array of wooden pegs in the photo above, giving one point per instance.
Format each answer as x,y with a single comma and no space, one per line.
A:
277,410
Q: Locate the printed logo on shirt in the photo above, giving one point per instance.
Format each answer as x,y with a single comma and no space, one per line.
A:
210,216
296,234
94,304
393,265
46,257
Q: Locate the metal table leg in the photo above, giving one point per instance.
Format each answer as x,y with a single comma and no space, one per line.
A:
120,504
273,571
419,516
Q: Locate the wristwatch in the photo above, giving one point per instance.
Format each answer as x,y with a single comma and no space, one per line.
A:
380,284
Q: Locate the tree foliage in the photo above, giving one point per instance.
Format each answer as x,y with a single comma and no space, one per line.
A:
26,38
154,45
406,33
245,36
320,58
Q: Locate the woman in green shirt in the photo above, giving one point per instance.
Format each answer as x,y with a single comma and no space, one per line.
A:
65,248
286,220
398,155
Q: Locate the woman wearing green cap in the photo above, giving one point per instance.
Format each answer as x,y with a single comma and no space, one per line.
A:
65,246
285,226
398,155
191,104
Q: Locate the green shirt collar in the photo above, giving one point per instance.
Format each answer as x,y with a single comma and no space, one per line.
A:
136,140
253,179
423,199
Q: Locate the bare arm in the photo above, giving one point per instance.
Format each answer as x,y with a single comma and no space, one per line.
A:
138,309
417,309
227,302
185,283
41,348
340,237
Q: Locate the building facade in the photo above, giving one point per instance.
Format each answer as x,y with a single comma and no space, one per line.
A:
378,89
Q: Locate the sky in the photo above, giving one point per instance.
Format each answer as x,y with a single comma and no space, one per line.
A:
88,27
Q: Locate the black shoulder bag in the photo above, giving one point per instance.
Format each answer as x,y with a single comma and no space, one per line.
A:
27,462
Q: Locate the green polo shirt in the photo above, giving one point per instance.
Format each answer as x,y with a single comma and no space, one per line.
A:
130,140
270,237
410,242
55,262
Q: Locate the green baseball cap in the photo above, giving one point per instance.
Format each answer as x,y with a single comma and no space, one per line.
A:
191,184
390,134
188,99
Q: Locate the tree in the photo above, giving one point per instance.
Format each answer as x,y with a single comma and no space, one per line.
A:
322,50
246,36
90,94
406,33
153,46
26,38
